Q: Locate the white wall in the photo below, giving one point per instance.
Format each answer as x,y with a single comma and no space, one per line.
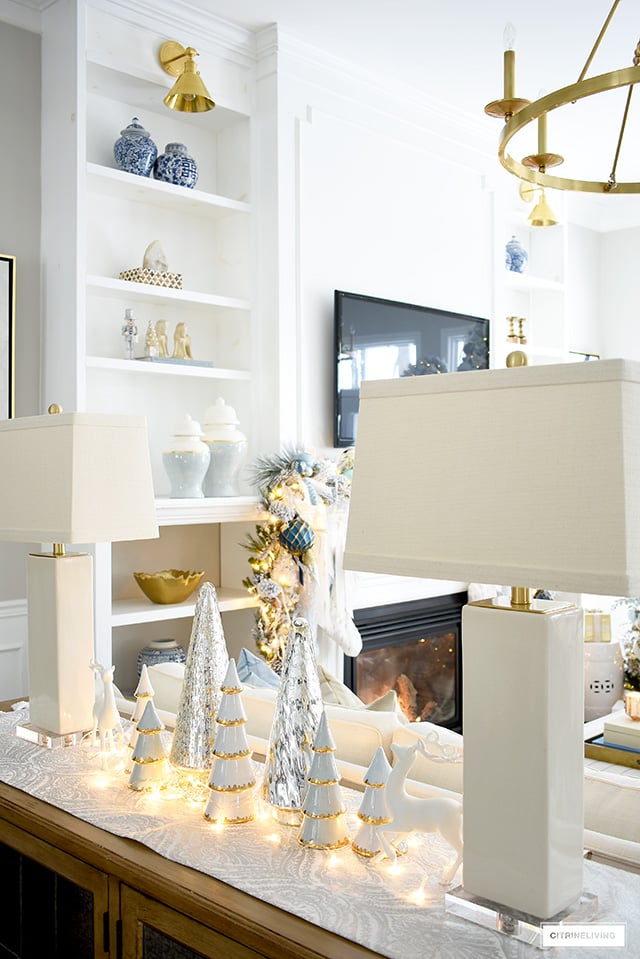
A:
620,294
584,289
374,222
20,236
378,194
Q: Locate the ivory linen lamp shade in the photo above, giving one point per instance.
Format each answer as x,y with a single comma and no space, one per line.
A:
528,477
70,478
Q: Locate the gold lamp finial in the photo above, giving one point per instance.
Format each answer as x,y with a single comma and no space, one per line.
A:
54,408
188,94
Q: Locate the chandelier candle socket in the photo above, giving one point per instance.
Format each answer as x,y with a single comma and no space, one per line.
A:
517,114
323,825
373,810
232,780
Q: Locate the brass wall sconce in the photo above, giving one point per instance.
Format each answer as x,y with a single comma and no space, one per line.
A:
541,214
188,94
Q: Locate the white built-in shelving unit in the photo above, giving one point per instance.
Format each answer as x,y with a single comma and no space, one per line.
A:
111,75
539,294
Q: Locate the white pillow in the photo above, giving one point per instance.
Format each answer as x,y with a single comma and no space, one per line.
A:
333,691
357,733
166,680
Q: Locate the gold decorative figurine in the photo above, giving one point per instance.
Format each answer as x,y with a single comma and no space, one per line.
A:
181,343
162,334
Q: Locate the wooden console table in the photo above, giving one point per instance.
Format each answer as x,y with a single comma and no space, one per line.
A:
130,903
94,870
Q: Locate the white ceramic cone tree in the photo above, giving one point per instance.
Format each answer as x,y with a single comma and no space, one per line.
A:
232,780
323,825
143,693
373,810
149,757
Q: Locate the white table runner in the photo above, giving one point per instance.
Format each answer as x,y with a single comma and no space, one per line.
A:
338,891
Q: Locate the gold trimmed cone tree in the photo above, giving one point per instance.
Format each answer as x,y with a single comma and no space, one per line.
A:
143,693
149,757
373,810
323,825
295,721
232,780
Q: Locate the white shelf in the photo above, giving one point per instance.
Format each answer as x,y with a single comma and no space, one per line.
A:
529,282
132,612
141,292
165,369
215,509
127,186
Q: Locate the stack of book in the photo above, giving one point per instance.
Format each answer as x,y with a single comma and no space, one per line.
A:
618,743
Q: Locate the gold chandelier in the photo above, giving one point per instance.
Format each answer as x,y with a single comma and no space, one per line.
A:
518,113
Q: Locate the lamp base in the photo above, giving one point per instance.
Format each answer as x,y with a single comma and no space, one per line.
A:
60,624
523,754
511,922
47,738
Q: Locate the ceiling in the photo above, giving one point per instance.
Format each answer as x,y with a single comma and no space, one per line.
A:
452,51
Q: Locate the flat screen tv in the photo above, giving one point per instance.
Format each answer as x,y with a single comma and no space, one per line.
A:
381,339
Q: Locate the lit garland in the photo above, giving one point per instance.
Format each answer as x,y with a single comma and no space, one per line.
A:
293,487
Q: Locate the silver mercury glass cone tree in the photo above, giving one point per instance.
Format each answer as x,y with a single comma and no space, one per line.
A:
295,721
204,672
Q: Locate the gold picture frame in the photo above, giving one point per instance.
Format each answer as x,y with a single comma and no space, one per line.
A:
7,334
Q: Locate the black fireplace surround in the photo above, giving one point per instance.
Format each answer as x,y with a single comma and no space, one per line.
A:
415,648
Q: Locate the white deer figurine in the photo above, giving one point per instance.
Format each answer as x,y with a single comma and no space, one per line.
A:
107,724
412,814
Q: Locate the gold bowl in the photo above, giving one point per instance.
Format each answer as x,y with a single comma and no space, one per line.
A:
168,585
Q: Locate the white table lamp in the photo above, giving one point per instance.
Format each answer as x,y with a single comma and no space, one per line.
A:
69,478
525,476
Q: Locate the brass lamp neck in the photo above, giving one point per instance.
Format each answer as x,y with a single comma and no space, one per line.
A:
521,596
58,549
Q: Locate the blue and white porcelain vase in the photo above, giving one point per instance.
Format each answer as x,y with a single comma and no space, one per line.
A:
160,651
228,448
186,460
134,150
176,166
516,257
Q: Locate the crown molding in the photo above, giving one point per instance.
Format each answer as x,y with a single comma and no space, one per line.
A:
212,33
415,109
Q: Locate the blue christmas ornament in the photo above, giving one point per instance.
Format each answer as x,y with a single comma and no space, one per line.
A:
297,537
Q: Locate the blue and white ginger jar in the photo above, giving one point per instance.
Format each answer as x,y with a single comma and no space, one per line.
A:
176,166
134,150
516,256
160,651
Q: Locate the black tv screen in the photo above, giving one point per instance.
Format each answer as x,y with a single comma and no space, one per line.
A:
382,339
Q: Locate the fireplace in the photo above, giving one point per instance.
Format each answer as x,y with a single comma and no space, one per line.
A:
415,648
